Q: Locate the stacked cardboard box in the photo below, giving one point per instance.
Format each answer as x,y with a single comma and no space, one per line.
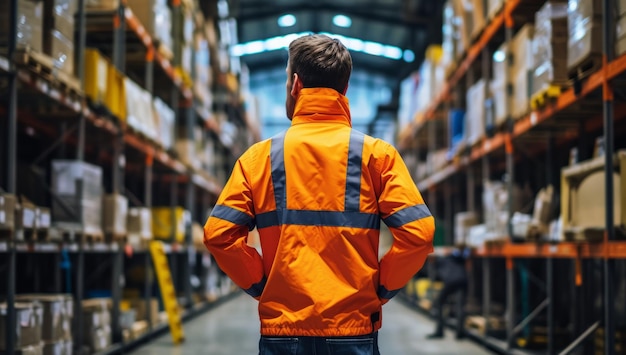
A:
184,37
79,186
202,79
139,110
620,39
58,311
475,116
156,18
114,212
519,75
8,204
549,46
97,324
29,317
29,24
139,223
59,33
165,119
585,34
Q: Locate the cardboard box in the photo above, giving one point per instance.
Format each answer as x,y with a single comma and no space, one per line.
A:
8,203
28,350
139,223
475,116
29,25
60,348
165,119
143,312
585,41
101,5
61,49
29,320
42,217
156,18
462,222
57,315
114,214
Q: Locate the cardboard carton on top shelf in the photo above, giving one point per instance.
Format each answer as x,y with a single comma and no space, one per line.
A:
114,212
8,204
29,25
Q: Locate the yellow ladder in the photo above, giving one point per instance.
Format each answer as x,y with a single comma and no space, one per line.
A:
167,290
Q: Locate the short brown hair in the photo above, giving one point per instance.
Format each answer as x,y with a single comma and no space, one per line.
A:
320,61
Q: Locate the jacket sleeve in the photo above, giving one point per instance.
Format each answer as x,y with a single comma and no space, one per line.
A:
411,224
226,234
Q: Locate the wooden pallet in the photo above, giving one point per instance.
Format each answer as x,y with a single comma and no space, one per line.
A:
547,95
37,234
43,65
586,67
116,238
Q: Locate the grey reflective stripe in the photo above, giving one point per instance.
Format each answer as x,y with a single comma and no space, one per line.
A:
278,171
232,215
386,294
407,215
257,289
349,219
353,171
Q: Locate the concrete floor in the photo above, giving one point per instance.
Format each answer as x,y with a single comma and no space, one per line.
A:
232,329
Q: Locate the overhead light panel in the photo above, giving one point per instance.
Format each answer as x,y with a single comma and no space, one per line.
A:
342,21
287,20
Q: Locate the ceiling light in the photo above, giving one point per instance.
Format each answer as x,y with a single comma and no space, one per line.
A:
287,20
409,56
342,21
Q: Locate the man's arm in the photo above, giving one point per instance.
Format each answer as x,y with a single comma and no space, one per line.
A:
226,233
411,224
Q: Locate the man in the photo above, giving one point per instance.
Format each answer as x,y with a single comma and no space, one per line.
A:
453,274
316,194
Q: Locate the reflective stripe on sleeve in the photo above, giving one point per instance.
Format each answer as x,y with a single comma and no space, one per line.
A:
407,215
232,215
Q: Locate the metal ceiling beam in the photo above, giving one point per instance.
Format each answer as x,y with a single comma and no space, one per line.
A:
260,10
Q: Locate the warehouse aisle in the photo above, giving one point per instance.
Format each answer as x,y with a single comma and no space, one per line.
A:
232,329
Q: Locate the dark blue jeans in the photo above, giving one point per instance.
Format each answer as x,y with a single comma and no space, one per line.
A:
357,345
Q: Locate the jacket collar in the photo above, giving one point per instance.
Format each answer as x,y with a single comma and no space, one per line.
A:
321,105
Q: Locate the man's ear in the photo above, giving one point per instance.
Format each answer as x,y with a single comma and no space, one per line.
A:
296,86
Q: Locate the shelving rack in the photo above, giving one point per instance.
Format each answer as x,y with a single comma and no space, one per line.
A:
62,121
549,275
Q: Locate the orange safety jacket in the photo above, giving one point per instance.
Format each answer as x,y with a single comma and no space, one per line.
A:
317,194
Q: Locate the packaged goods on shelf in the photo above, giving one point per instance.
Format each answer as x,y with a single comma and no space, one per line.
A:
408,103
463,18
585,34
28,330
156,18
520,75
549,47
456,125
77,186
97,323
139,224
186,150
620,39
59,16
520,225
139,110
115,96
583,198
475,116
477,8
542,212
170,223
143,313
449,38
57,315
495,207
114,213
59,348
436,160
165,119
43,218
102,4
29,25
95,76
8,204
462,223
25,217
197,236
493,7
61,49
477,235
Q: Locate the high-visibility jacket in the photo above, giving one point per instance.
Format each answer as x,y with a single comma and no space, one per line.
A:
317,194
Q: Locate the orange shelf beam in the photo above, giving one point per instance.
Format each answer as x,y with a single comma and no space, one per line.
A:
567,250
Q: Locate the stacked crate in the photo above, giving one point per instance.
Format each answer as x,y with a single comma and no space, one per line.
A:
549,46
77,205
584,47
620,39
139,223
156,18
28,328
29,24
58,36
97,324
519,76
114,213
57,314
